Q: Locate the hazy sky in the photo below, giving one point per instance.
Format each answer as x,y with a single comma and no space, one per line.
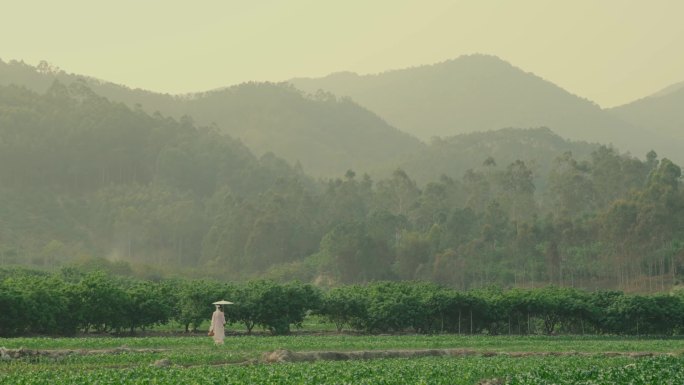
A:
609,51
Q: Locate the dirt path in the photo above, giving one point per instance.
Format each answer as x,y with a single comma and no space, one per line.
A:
282,355
9,354
290,356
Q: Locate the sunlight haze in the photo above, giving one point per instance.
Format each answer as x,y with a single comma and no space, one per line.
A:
611,52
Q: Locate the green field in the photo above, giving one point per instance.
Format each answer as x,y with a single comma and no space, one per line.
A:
195,360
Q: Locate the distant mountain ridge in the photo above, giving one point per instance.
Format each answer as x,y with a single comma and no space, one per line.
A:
663,111
666,91
481,92
368,122
325,134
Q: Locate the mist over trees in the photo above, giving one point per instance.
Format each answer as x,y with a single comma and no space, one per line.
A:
89,183
325,134
454,155
83,176
108,184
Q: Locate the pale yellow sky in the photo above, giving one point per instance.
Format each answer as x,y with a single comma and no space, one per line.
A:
609,51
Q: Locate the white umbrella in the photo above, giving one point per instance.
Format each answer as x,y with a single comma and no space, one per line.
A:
222,302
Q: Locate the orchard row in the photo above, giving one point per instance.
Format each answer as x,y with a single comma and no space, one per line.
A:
70,301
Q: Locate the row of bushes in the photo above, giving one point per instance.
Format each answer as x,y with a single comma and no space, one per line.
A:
71,301
428,308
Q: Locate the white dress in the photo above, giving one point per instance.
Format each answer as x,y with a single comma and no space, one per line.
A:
217,321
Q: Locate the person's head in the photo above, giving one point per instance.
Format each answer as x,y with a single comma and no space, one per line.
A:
219,308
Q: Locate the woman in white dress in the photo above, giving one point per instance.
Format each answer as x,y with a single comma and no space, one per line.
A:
216,329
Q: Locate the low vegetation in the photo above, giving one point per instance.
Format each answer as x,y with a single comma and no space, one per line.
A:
171,360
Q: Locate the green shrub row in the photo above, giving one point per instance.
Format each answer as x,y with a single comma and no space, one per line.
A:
70,301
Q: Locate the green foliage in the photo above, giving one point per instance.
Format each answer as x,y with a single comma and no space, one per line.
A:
193,299
103,302
13,308
272,306
63,303
659,370
436,370
150,304
344,305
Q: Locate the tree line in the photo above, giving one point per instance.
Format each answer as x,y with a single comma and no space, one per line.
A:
72,301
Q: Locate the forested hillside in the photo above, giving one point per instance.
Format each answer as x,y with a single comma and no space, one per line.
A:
323,133
481,92
82,177
96,184
454,155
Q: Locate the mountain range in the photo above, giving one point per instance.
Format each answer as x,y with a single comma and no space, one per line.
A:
371,123
482,92
326,135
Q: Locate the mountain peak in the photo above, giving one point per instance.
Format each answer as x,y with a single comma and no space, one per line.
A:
479,92
478,58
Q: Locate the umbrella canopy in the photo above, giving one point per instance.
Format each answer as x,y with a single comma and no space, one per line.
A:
222,302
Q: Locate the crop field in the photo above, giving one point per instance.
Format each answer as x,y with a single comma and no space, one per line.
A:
195,360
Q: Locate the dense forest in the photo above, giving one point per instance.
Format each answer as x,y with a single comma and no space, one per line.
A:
95,184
